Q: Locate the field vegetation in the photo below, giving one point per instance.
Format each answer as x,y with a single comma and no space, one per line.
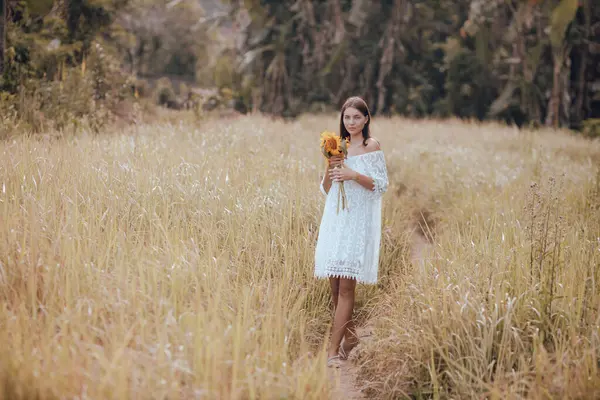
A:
175,260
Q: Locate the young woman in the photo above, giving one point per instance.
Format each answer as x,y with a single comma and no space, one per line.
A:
347,248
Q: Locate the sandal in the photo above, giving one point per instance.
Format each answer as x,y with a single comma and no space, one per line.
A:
334,362
343,353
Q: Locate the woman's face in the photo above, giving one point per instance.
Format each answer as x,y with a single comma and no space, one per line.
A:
354,120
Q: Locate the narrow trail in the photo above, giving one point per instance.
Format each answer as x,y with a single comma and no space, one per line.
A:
344,379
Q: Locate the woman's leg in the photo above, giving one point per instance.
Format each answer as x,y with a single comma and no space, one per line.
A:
343,314
350,337
335,290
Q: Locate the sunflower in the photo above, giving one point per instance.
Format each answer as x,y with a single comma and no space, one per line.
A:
331,144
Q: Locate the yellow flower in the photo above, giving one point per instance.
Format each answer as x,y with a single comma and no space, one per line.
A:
331,144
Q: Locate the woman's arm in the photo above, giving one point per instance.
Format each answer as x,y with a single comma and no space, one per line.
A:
363,180
345,173
331,163
327,180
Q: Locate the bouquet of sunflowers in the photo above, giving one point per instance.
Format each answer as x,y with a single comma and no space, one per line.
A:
333,145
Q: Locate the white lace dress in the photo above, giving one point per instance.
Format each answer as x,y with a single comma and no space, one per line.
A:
348,242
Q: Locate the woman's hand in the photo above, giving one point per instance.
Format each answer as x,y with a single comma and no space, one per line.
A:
342,174
335,161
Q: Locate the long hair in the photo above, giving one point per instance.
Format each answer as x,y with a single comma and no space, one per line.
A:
360,105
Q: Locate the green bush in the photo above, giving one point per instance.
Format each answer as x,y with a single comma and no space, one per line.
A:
591,127
89,95
164,93
224,72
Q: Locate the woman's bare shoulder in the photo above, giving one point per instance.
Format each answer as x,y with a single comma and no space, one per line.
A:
372,145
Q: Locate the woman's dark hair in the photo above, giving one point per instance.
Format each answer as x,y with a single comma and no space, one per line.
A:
360,105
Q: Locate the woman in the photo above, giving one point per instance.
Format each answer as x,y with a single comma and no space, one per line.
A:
347,249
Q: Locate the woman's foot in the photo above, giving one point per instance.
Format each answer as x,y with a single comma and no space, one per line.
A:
346,348
334,362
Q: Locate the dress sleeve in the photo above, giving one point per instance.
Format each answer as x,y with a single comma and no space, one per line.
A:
377,170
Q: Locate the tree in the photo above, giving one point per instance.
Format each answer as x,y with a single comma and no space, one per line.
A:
562,15
156,37
3,18
301,54
522,61
545,50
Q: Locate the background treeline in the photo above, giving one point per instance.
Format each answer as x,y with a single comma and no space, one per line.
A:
73,62
528,62
522,61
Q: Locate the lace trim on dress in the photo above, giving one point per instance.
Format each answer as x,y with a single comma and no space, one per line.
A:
342,269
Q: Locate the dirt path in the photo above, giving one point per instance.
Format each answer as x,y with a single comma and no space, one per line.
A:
345,378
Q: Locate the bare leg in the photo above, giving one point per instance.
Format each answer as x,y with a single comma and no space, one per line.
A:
343,314
350,336
335,290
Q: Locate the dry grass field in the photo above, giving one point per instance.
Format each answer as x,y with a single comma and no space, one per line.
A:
175,260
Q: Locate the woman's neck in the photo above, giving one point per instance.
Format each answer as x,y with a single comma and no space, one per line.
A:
356,139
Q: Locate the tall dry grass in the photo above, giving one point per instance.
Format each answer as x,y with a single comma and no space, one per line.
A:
505,303
175,261
164,261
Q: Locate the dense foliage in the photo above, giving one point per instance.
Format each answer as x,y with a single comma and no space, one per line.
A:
522,61
516,60
65,61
